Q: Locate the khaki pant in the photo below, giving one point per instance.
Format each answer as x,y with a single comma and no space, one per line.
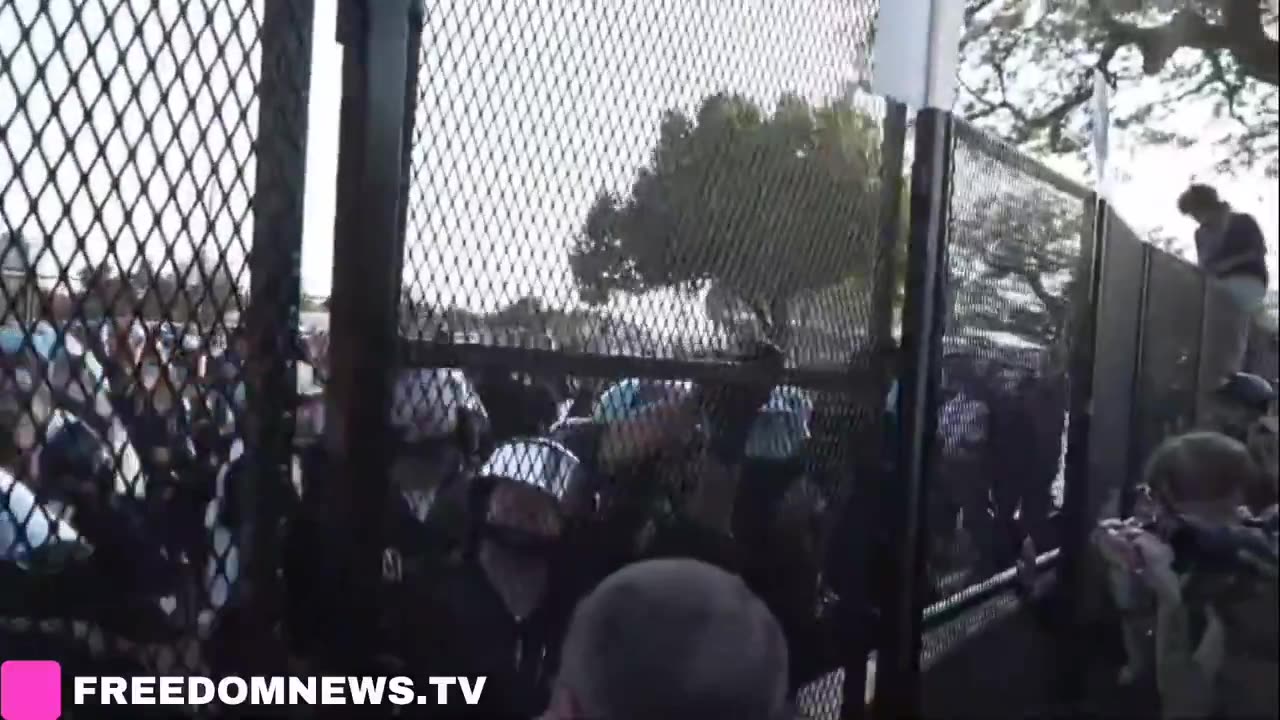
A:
1230,311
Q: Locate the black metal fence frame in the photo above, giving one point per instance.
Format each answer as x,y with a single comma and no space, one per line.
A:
905,616
1092,489
382,39
377,122
275,274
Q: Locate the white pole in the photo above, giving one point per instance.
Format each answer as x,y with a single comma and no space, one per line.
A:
1101,131
917,50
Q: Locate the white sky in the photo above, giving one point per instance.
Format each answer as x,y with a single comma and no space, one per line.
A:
529,108
1147,181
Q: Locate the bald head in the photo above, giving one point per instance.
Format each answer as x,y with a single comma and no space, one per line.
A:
674,639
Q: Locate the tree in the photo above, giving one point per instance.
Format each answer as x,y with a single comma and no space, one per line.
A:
1160,238
759,207
525,312
157,293
103,292
314,303
211,286
1014,268
1029,78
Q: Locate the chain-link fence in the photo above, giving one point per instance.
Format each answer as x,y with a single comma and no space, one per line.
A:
627,285
151,157
1016,233
608,206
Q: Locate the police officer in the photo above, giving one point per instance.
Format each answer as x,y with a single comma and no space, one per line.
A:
499,610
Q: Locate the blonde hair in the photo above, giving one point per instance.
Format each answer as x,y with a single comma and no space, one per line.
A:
1201,467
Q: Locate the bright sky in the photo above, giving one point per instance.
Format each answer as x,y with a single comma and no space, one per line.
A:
1147,181
528,109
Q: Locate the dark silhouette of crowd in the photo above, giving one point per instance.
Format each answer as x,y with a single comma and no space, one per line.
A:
645,548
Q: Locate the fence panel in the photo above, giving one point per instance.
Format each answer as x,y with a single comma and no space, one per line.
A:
151,168
608,202
1115,374
1017,270
1170,354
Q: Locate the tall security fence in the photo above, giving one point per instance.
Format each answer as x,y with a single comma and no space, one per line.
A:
1059,353
1020,243
1170,329
616,225
151,185
996,357
625,203
610,281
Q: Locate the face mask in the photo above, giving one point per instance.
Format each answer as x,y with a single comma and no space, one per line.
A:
520,543
520,579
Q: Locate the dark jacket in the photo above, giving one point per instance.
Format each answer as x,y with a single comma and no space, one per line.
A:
460,626
1242,239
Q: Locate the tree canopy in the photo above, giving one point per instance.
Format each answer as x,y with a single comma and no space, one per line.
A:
761,207
1014,268
1027,68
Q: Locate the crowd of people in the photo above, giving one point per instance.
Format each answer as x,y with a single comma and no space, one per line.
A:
636,549
1193,575
513,498
1191,570
125,459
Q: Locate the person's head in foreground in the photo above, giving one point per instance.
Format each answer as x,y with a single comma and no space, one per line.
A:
671,639
1201,474
1200,202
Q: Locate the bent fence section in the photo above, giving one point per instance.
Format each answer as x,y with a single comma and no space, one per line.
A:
609,218
552,218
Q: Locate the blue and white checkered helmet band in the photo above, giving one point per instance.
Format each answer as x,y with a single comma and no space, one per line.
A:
624,400
426,402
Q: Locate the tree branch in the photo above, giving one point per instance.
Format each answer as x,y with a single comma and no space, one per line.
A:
1241,34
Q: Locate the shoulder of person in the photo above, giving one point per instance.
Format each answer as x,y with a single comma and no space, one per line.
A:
1249,612
1243,222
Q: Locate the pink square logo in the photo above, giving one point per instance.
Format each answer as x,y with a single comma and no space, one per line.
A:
30,690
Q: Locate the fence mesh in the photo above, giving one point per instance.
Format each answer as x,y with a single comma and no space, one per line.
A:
609,207
1167,383
659,186
651,181
1015,270
127,212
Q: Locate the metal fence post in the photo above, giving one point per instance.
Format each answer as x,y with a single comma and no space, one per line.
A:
366,280
1133,463
898,662
859,504
413,48
1205,300
1080,502
892,151
272,319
